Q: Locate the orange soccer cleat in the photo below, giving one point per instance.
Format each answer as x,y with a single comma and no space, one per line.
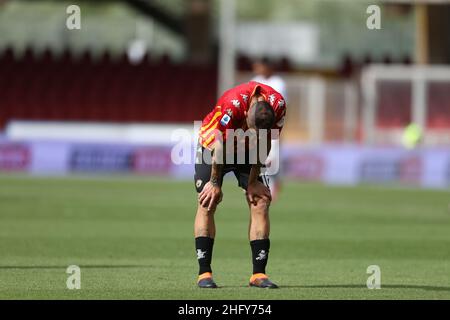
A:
205,280
261,280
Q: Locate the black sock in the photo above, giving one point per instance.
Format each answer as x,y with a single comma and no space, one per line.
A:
204,248
260,254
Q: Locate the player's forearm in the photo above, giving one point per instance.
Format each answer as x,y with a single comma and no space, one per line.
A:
256,168
254,173
216,173
217,164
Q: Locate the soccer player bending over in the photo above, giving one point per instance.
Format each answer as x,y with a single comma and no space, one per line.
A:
258,111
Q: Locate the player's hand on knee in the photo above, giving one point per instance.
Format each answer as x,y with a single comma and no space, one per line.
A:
210,196
256,191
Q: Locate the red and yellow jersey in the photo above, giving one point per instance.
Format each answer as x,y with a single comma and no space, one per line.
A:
230,110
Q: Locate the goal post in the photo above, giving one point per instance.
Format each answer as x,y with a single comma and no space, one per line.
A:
418,78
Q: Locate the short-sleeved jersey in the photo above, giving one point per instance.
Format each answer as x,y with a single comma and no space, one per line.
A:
229,112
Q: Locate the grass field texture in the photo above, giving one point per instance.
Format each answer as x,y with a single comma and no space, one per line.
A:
133,239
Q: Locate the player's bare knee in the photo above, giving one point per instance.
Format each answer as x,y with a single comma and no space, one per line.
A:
204,210
262,205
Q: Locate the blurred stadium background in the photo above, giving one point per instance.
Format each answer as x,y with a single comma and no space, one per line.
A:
138,69
365,107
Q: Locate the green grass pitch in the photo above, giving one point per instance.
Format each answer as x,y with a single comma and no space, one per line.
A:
133,239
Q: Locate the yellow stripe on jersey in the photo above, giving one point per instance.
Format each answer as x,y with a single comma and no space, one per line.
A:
206,133
207,142
216,115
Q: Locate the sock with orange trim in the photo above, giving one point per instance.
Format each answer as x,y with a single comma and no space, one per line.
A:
204,248
260,254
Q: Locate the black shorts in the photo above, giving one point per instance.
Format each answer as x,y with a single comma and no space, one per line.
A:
241,171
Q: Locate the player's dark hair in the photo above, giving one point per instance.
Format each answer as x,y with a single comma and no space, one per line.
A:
264,115
265,61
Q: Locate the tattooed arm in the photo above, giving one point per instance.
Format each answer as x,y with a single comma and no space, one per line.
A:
211,194
217,164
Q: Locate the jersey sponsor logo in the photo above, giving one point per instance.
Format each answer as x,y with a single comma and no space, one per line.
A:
236,103
244,97
225,120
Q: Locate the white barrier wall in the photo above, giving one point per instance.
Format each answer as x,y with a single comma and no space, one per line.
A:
331,164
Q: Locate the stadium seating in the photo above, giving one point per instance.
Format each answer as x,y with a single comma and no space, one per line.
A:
67,88
394,104
438,105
